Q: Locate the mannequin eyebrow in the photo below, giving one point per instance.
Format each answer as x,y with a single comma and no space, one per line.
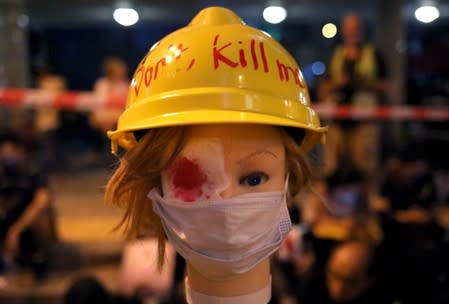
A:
256,153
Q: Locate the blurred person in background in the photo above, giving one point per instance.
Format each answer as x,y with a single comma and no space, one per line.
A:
333,213
357,76
26,217
409,186
351,273
414,238
86,290
113,84
340,209
352,276
47,119
140,277
89,290
294,267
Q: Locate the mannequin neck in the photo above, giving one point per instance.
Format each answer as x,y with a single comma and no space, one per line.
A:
246,283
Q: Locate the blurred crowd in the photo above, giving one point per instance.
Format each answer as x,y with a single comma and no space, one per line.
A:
39,144
372,227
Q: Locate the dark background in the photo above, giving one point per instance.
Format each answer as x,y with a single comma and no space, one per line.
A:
74,36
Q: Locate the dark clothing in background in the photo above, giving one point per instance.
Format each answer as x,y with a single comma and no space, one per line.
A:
355,84
414,260
312,289
317,293
347,92
419,191
18,186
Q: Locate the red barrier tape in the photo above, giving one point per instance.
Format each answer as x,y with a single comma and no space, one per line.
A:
382,112
78,101
86,101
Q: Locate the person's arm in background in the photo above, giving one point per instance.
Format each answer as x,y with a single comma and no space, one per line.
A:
327,88
40,202
332,81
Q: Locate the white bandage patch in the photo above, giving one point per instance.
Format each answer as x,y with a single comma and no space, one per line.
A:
198,173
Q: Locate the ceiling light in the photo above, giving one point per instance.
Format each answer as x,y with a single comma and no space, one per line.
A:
274,14
329,30
126,16
427,14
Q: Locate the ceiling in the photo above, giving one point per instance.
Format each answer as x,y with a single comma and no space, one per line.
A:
85,12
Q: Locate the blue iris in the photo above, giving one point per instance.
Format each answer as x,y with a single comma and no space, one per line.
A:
253,179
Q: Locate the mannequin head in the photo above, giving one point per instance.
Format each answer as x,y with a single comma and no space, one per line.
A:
218,117
234,159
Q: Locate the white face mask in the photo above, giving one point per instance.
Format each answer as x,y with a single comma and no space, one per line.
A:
225,237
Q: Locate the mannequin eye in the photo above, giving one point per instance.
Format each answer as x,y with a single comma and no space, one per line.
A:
253,179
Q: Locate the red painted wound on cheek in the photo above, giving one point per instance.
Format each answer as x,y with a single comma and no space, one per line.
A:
188,179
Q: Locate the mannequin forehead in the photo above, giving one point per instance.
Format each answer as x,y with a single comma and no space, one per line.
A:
229,135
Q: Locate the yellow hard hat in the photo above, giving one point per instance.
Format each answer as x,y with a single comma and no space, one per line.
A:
217,70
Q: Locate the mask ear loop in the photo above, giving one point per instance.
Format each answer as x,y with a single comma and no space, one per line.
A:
324,201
